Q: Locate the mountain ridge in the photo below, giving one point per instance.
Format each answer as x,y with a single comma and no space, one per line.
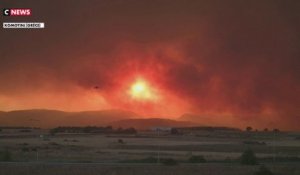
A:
47,118
150,123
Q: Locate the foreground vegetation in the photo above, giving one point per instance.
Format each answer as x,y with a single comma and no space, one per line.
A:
96,169
103,150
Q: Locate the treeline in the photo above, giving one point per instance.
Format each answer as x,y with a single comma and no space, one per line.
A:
93,129
207,128
17,127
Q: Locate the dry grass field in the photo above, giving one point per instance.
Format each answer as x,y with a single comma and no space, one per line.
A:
122,154
95,169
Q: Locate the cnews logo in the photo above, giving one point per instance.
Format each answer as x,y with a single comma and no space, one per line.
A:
16,12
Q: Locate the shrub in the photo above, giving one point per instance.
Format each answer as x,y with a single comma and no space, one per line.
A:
249,128
196,159
25,130
25,144
250,142
25,149
228,160
52,132
169,161
6,156
174,131
248,158
144,160
148,160
121,141
263,171
126,131
53,143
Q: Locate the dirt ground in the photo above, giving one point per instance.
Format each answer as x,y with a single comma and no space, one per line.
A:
98,169
104,154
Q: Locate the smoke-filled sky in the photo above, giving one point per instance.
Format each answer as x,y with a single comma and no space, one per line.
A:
234,62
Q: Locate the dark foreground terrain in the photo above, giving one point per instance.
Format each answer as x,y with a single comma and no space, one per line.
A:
203,152
142,169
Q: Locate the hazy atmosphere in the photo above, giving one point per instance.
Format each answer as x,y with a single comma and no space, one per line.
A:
233,63
150,87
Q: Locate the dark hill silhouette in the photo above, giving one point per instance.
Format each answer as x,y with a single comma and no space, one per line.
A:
151,123
53,118
205,120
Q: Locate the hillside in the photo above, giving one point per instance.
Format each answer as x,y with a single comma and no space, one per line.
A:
206,120
53,118
151,123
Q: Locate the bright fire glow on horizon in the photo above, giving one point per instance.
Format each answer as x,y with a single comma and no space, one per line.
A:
181,58
141,90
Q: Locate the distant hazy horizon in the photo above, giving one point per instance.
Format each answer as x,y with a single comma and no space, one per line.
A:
227,62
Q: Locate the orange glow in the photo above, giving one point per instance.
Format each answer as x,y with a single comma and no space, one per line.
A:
141,90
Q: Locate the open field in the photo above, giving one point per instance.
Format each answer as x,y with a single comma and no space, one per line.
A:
99,169
120,154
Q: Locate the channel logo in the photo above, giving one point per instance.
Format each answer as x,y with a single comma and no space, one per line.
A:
16,12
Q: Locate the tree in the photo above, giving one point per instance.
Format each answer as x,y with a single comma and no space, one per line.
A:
53,131
248,158
196,159
174,131
126,131
131,131
108,129
249,128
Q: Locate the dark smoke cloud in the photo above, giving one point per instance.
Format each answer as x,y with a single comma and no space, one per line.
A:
239,57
